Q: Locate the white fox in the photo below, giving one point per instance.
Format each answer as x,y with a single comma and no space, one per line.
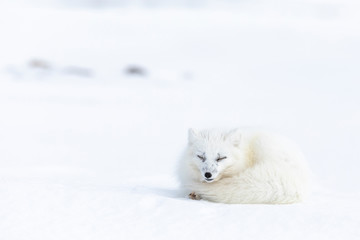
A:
243,167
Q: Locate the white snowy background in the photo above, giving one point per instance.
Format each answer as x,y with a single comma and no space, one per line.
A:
96,98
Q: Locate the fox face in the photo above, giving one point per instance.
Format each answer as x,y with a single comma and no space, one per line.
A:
212,152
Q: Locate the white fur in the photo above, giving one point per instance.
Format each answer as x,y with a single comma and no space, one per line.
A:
259,168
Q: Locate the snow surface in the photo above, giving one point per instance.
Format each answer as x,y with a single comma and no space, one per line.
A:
88,151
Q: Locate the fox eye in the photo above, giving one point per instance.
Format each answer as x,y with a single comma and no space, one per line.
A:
202,157
220,158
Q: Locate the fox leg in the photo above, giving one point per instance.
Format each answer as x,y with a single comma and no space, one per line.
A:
194,196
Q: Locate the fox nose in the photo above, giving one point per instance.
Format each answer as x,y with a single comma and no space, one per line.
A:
208,175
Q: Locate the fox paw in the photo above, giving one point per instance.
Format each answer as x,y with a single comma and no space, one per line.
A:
194,196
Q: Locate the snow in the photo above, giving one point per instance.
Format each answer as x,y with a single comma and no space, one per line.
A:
89,151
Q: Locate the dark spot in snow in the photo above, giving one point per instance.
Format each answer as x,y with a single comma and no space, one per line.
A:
39,64
135,71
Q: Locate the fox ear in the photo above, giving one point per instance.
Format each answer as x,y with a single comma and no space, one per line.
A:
192,135
235,137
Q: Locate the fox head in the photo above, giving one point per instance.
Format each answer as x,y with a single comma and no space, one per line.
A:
213,152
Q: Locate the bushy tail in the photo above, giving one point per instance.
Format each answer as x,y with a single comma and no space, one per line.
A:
258,184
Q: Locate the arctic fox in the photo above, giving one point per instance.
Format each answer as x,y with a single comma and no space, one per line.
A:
242,167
